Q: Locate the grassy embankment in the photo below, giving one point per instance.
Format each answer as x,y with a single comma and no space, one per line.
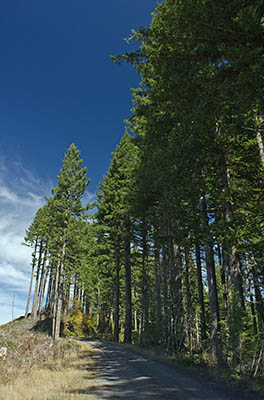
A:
38,368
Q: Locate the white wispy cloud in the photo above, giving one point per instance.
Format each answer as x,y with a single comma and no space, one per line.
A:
7,196
12,278
11,303
88,197
21,195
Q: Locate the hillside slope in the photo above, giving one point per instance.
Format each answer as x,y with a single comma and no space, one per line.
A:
37,368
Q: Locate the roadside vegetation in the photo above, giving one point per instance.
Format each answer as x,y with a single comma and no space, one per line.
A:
36,367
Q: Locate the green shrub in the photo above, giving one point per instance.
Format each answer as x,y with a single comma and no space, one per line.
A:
78,324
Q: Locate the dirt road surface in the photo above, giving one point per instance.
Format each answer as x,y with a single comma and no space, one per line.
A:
122,374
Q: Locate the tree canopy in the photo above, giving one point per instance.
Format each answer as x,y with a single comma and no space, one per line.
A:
173,255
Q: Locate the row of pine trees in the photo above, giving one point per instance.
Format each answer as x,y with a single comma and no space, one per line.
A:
174,253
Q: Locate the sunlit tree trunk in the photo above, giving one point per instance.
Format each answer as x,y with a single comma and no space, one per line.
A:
200,291
43,281
260,124
34,260
50,291
36,291
55,297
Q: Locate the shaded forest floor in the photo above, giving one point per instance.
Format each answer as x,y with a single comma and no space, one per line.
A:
36,368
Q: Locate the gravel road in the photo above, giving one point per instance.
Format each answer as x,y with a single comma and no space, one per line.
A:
122,374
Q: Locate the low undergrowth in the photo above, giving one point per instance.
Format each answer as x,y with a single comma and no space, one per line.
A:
37,368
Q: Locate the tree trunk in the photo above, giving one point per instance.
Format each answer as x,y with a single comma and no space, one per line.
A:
158,286
200,292
178,295
50,292
55,297
43,291
259,138
165,293
128,314
36,291
171,347
231,251
42,281
60,295
86,302
58,313
117,293
67,299
32,277
251,298
212,286
144,302
189,314
222,256
258,297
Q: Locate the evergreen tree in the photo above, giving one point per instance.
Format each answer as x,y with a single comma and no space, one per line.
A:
114,213
66,205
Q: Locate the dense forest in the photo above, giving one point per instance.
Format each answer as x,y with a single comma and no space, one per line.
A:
174,253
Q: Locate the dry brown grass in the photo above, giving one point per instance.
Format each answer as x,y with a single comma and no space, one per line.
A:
38,369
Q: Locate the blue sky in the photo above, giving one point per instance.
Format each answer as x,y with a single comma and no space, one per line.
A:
57,86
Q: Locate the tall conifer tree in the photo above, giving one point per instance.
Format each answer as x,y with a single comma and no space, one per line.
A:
66,205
